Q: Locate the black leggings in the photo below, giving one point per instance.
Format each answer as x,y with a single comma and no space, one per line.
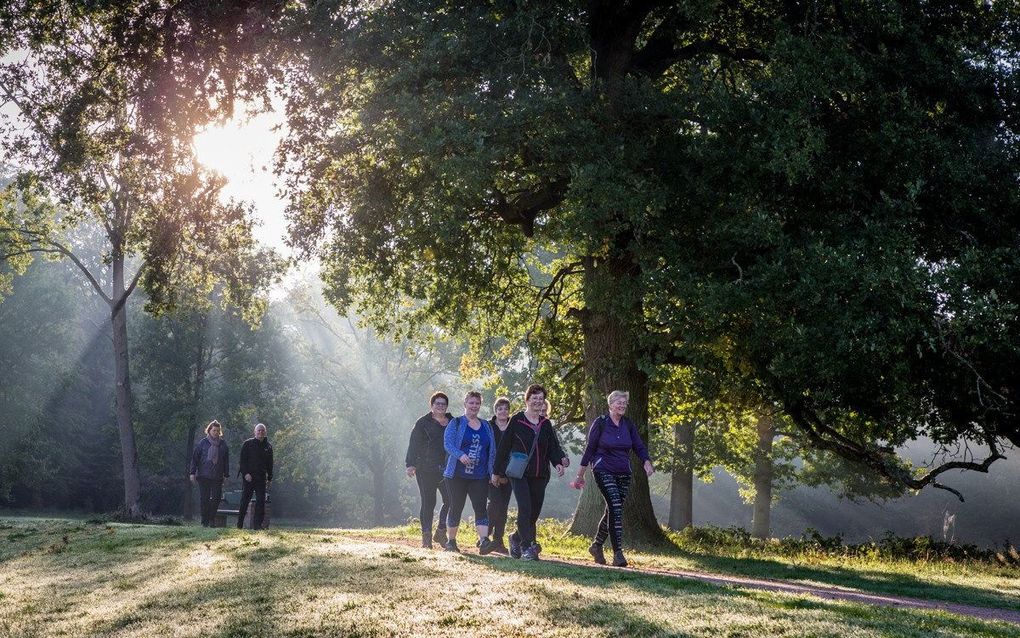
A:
530,494
428,483
460,489
210,492
499,503
614,488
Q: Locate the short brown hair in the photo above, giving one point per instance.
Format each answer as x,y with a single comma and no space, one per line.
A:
533,389
439,395
213,424
501,401
473,394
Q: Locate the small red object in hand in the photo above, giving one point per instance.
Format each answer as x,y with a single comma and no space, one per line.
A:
577,483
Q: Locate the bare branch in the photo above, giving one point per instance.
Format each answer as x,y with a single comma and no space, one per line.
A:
523,208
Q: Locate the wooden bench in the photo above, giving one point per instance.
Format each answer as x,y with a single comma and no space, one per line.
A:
230,507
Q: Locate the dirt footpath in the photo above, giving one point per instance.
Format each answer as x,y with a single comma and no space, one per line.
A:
820,591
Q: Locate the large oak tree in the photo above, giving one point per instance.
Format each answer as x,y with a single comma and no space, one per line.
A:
813,200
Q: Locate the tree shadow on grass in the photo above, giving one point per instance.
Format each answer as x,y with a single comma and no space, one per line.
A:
865,580
664,590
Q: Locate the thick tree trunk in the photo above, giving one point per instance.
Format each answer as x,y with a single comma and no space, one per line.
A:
610,323
760,520
188,504
681,494
125,428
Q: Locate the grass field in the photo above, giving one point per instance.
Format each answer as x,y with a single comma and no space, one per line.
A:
71,578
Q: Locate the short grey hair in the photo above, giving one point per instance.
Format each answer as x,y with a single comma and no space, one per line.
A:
261,425
617,394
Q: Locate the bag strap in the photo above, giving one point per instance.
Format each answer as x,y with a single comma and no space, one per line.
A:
534,442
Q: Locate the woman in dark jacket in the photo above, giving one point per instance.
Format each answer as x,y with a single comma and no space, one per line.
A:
499,494
425,461
529,491
611,438
210,466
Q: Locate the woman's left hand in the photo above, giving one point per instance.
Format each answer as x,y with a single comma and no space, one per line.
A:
649,470
559,470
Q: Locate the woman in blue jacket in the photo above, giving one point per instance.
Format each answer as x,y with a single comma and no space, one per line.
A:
471,451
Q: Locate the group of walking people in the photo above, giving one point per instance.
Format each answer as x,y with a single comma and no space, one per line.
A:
210,467
469,458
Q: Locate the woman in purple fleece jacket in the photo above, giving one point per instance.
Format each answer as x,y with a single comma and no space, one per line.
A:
611,437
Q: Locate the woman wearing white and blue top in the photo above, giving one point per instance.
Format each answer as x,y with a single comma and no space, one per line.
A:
471,452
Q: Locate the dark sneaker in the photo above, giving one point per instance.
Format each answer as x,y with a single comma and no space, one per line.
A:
531,553
451,546
499,548
538,547
426,542
619,560
515,545
440,536
596,552
485,546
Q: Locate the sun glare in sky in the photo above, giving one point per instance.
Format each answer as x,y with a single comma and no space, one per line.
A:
242,151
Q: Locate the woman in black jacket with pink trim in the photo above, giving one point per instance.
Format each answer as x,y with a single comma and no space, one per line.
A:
529,490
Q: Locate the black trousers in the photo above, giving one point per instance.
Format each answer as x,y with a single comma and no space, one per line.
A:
499,503
210,492
530,494
428,482
460,489
257,484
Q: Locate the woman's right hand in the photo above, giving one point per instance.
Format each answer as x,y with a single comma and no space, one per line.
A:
194,479
410,471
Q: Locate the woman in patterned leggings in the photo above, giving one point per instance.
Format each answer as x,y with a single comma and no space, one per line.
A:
610,439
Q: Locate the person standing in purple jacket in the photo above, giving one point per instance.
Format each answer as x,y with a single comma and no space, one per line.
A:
611,437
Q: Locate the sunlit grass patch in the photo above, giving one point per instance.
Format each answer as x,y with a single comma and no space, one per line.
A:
170,581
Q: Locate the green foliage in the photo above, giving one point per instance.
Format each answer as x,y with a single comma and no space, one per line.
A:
812,546
861,257
364,392
817,208
55,400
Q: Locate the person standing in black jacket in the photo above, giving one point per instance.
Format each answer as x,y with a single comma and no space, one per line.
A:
499,494
529,491
256,468
425,461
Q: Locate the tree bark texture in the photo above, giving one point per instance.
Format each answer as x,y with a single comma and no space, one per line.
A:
610,324
122,376
197,384
760,520
681,493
